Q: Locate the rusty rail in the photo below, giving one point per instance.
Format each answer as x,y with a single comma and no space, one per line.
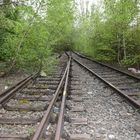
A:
61,114
100,63
8,94
12,87
131,100
45,120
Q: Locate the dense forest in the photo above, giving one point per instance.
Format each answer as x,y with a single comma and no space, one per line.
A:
32,31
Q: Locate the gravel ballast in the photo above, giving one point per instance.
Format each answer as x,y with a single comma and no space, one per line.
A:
109,116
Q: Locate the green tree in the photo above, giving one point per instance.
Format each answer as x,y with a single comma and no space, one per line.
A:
32,30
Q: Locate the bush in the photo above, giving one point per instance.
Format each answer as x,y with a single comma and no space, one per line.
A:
105,54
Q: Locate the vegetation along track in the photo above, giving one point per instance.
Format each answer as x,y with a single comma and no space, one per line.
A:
28,107
125,84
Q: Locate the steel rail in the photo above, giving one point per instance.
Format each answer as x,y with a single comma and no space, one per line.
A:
62,109
80,55
8,94
134,102
45,120
12,87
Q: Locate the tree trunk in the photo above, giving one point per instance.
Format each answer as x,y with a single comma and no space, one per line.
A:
124,47
118,49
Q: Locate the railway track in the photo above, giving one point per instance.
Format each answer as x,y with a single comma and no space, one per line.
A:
125,84
57,106
31,106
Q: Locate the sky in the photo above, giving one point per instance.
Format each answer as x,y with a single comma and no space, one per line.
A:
90,1
83,3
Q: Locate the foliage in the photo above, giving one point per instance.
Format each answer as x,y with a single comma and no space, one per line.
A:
105,54
31,30
110,31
